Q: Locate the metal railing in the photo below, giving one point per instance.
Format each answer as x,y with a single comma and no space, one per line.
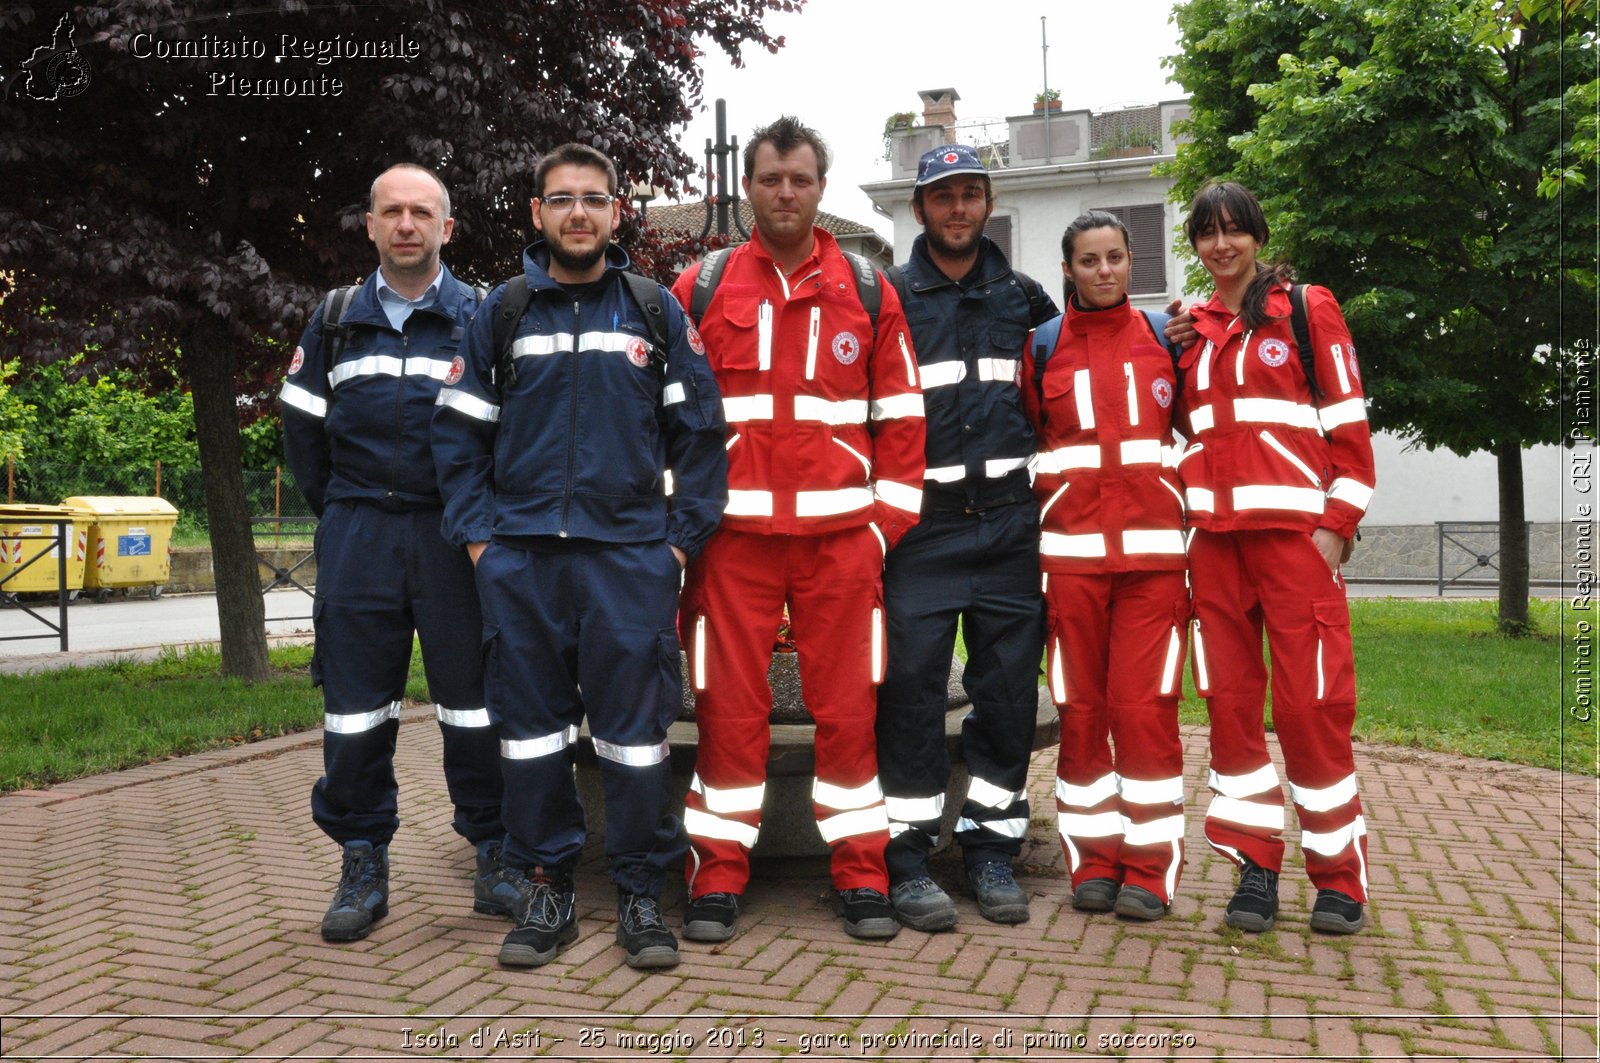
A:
57,542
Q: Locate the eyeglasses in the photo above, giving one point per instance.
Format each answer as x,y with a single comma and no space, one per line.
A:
561,203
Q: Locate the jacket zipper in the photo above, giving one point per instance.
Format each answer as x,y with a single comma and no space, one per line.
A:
572,422
399,416
1133,397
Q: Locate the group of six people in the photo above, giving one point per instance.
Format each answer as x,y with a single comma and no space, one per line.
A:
525,478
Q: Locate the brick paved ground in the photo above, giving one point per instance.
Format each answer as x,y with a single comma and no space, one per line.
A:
171,912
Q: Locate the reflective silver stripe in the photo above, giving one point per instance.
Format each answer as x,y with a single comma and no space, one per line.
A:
537,345
1169,667
388,365
673,394
1202,372
849,824
1003,369
1089,794
1199,499
883,544
892,406
736,408
1321,679
700,824
830,503
1058,672
1169,541
1256,782
1337,350
764,329
533,748
943,374
470,405
1080,388
1325,799
1165,829
749,504
866,466
1045,511
1062,459
463,717
1006,828
945,474
1141,452
1271,496
666,482
811,342
1055,544
987,794
632,756
842,412
845,797
302,400
995,468
1246,813
1174,492
1151,791
1202,419
1276,411
877,641
911,363
900,496
1334,842
1202,673
1340,414
730,799
1099,825
354,723
700,652
1351,492
1170,456
1288,455
914,809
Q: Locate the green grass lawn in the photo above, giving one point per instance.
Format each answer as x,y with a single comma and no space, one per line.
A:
1430,674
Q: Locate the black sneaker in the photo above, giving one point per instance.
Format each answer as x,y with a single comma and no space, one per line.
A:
1000,899
1095,895
1336,913
866,913
920,904
711,917
1255,903
362,897
494,890
1136,902
643,934
546,919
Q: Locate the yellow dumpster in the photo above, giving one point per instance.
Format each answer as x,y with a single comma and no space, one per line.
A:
130,542
26,532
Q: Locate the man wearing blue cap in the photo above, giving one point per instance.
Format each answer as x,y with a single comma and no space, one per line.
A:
974,557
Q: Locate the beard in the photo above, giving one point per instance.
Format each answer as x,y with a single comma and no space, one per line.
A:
940,245
575,261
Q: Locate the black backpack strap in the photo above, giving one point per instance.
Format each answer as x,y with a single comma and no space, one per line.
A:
1157,320
1038,305
896,276
706,281
867,288
1044,343
1302,339
513,304
647,293
334,331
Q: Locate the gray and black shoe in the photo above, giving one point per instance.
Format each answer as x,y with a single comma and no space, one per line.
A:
1136,902
494,889
643,934
920,904
362,897
1337,913
1095,895
546,918
866,913
1254,906
711,917
1000,899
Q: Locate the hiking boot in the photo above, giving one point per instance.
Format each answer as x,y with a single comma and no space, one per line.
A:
1136,902
1095,895
1255,903
920,904
546,919
494,890
643,934
866,913
1336,913
711,917
362,897
1000,899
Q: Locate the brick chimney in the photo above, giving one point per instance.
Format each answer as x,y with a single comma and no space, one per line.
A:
939,108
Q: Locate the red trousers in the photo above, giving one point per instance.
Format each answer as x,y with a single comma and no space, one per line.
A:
1116,650
1246,582
731,607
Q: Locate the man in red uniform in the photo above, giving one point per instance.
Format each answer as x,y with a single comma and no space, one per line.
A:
825,467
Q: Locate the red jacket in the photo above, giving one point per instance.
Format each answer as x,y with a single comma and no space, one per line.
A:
1108,495
1257,456
825,426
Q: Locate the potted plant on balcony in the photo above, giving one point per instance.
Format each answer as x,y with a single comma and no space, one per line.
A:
896,122
1049,98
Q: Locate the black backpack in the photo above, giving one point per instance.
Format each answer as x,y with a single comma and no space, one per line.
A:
514,303
710,275
1030,288
336,304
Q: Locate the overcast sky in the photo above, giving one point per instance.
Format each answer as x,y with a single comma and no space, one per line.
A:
848,64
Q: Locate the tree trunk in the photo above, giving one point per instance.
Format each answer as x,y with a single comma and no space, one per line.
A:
1513,540
209,363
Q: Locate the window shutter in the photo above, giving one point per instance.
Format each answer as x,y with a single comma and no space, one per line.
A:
998,230
1144,223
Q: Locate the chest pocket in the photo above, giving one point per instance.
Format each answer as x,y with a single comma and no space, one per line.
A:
731,329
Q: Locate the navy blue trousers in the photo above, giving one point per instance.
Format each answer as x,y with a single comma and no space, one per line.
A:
383,576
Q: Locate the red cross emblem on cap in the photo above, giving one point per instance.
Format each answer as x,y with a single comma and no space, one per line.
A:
951,156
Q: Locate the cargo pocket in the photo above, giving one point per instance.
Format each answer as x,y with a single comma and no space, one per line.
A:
317,605
1335,663
671,664
1172,660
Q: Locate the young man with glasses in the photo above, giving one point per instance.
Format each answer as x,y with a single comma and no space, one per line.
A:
553,459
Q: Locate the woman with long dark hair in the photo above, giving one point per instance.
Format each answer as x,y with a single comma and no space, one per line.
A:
1101,396
1277,473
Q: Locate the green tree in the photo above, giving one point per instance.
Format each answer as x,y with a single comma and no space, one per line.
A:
17,417
112,418
1398,147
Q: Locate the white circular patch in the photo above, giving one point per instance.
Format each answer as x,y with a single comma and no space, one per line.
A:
1162,390
457,368
696,344
1273,352
1354,371
846,348
638,352
297,361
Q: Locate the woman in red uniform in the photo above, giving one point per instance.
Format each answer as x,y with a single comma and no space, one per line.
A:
1277,473
1112,552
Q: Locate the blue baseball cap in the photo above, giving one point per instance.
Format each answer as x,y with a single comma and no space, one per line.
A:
949,160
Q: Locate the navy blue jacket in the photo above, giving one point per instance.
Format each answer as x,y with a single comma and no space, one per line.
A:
969,338
578,445
359,429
